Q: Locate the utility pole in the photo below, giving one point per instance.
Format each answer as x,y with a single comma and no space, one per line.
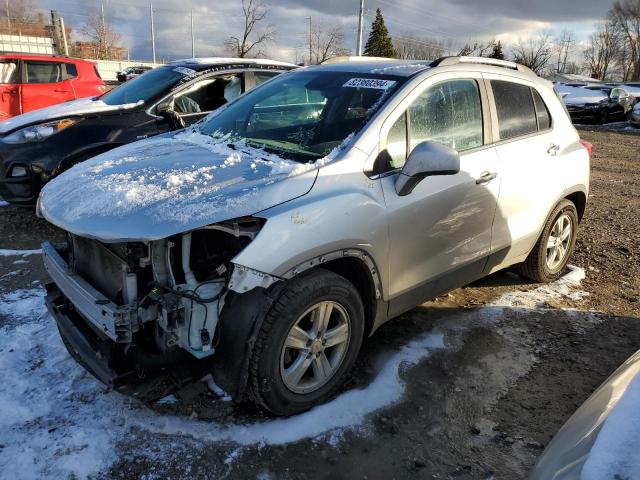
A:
153,36
8,18
103,34
64,37
360,26
310,45
193,41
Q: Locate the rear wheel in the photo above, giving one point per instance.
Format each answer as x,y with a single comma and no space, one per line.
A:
603,117
307,343
550,256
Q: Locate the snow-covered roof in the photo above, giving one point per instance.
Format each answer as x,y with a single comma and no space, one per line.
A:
401,68
224,60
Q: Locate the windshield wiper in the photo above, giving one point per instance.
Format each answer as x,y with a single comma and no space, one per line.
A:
277,146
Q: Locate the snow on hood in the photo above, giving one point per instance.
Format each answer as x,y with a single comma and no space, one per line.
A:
579,95
171,184
82,106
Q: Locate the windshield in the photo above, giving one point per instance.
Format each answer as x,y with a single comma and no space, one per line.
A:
146,87
303,115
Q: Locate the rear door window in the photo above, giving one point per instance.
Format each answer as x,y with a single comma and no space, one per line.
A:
8,72
516,110
43,72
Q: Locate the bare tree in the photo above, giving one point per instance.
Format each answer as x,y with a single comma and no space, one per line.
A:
625,20
602,49
21,17
564,46
478,49
103,36
326,42
410,47
22,11
251,40
535,53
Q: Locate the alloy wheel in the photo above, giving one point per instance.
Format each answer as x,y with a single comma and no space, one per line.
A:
315,347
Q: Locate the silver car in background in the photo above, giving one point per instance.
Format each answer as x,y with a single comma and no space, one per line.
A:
267,242
635,116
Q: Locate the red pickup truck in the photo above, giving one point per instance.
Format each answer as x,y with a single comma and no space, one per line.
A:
29,82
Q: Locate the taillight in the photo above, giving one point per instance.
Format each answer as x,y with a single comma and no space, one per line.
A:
588,146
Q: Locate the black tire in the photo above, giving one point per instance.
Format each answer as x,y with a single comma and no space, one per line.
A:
602,118
535,267
267,385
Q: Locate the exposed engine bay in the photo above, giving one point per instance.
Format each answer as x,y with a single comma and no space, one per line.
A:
156,304
177,285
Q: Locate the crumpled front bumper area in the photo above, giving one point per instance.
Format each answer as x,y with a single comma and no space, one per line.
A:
87,325
104,359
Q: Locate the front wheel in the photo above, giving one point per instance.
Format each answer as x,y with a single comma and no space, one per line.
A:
307,344
550,256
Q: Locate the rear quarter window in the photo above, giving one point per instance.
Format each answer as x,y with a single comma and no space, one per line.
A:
516,110
542,112
72,70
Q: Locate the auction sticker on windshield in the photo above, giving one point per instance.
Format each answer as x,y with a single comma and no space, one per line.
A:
370,83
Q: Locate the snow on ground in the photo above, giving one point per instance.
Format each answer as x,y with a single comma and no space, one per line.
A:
19,253
57,421
615,453
3,203
567,286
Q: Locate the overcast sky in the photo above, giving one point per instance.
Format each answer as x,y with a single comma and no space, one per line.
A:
457,20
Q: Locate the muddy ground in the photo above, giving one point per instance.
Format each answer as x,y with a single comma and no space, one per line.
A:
517,360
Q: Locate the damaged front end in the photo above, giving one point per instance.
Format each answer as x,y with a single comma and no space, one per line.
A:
146,317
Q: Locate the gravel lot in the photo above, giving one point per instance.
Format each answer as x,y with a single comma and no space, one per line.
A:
471,385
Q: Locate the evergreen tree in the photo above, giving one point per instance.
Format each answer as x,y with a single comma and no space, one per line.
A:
379,43
497,51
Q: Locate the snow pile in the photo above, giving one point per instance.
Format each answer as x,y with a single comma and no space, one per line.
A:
616,453
566,286
56,420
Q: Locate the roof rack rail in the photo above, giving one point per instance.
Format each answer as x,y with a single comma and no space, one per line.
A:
352,58
446,61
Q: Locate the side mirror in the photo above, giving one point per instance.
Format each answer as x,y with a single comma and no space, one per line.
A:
427,159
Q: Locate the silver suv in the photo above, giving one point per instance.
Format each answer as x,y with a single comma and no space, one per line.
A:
264,244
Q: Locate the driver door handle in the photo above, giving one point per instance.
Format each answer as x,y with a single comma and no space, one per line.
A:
486,177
